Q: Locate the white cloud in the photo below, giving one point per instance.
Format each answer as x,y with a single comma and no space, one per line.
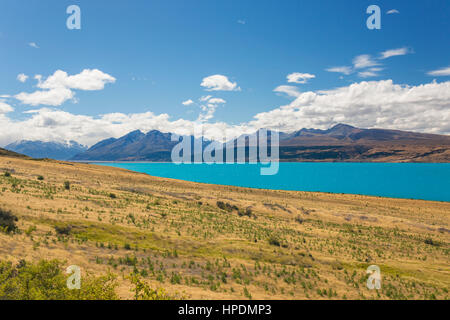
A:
54,97
440,72
289,90
86,80
205,98
383,104
216,101
187,102
394,52
297,77
392,11
364,61
33,45
209,109
22,77
219,82
344,70
241,21
5,108
371,72
58,87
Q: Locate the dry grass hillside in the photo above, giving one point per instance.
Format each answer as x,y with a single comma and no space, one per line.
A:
215,242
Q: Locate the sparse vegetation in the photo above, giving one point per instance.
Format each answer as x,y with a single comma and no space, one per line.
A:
219,241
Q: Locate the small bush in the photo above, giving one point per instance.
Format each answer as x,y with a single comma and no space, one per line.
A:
299,219
7,174
63,230
8,221
226,206
274,241
67,185
142,291
40,178
112,196
431,242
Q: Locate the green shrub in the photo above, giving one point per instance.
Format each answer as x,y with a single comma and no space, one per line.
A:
67,185
45,280
63,230
274,241
112,196
8,221
142,291
40,178
7,174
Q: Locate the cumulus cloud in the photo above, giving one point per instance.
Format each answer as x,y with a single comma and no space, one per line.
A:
440,72
5,108
187,102
297,77
209,109
22,77
54,97
423,108
219,82
344,70
367,104
291,91
394,52
87,80
33,45
58,88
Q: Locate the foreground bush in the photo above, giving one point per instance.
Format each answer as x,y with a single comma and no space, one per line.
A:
45,280
7,221
143,292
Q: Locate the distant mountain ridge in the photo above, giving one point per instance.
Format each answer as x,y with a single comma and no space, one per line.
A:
52,150
134,146
341,143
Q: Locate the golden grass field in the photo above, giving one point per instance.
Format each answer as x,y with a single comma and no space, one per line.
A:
261,245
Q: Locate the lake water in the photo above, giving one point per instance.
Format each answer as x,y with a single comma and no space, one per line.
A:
430,181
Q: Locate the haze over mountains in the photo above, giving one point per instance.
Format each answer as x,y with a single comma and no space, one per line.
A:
52,150
339,143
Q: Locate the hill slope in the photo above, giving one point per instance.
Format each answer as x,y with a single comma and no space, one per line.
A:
221,242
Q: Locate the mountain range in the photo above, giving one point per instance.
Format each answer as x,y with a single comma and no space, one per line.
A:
51,150
342,143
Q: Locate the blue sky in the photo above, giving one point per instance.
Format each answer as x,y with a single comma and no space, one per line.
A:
159,52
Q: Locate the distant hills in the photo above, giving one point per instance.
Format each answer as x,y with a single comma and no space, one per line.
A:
51,150
341,143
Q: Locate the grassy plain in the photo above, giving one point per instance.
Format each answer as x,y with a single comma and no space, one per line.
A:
204,241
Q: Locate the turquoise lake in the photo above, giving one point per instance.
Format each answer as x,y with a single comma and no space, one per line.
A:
430,181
